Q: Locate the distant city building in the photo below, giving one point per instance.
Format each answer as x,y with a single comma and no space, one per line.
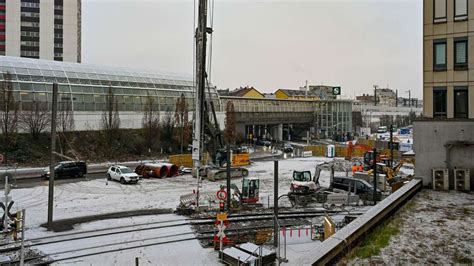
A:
247,92
365,99
269,95
313,92
323,91
296,94
46,29
409,102
386,97
443,138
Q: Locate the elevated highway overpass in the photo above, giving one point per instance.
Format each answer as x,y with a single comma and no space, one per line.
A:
281,118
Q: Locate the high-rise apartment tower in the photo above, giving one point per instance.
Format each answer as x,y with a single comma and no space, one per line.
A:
46,29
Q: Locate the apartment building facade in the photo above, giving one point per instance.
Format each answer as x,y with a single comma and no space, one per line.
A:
444,137
41,29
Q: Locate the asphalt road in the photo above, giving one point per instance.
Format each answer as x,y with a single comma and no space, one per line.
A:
39,181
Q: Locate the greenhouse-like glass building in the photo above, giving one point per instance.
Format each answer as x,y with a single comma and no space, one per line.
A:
86,86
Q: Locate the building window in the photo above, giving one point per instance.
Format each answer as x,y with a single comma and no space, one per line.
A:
460,10
460,53
461,102
439,55
439,11
439,102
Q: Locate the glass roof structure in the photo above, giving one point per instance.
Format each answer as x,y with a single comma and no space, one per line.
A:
85,86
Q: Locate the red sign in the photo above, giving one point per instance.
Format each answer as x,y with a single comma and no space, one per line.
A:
221,194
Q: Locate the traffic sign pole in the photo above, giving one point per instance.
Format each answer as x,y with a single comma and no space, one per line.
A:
5,220
221,237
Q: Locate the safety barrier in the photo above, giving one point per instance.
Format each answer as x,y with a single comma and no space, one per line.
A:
367,142
318,150
329,250
241,159
186,160
190,198
341,151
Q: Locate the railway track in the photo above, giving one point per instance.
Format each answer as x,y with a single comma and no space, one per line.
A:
76,245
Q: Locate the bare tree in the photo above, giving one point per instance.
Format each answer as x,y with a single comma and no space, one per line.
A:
181,118
229,131
65,117
151,121
111,118
65,127
8,112
167,134
36,119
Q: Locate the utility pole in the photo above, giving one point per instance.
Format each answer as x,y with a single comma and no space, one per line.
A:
201,38
374,167
23,228
396,98
409,98
229,162
276,229
52,159
375,95
391,145
307,89
7,191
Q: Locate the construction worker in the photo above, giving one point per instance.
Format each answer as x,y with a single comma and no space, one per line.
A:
360,168
354,169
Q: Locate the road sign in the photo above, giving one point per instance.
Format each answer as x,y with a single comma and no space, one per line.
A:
222,194
222,216
221,234
221,227
336,90
2,158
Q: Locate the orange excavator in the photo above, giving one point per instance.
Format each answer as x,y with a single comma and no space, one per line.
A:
368,153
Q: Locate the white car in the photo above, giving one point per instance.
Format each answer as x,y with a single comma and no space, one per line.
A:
122,174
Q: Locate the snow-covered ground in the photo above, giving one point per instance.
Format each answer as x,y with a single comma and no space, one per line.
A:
99,196
436,228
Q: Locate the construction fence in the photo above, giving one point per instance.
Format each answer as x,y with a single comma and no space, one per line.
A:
186,160
341,151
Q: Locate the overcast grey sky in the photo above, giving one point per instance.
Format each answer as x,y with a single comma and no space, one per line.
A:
266,44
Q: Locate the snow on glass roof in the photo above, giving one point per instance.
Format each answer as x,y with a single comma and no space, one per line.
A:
47,68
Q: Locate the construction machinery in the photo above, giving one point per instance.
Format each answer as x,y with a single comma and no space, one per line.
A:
250,190
388,177
391,173
305,189
303,183
369,159
368,154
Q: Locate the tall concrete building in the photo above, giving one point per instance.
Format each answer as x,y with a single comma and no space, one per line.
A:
444,137
46,29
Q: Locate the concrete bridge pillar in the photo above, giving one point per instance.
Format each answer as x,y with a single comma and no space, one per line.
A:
279,132
290,127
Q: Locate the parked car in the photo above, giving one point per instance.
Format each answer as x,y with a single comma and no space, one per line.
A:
363,188
122,174
67,169
263,142
244,149
287,148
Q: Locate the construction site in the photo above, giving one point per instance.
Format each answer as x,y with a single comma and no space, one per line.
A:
299,188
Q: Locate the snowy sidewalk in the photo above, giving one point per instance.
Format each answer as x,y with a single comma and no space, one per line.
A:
435,228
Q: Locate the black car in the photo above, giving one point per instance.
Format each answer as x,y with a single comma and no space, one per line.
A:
264,142
363,188
68,169
287,148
